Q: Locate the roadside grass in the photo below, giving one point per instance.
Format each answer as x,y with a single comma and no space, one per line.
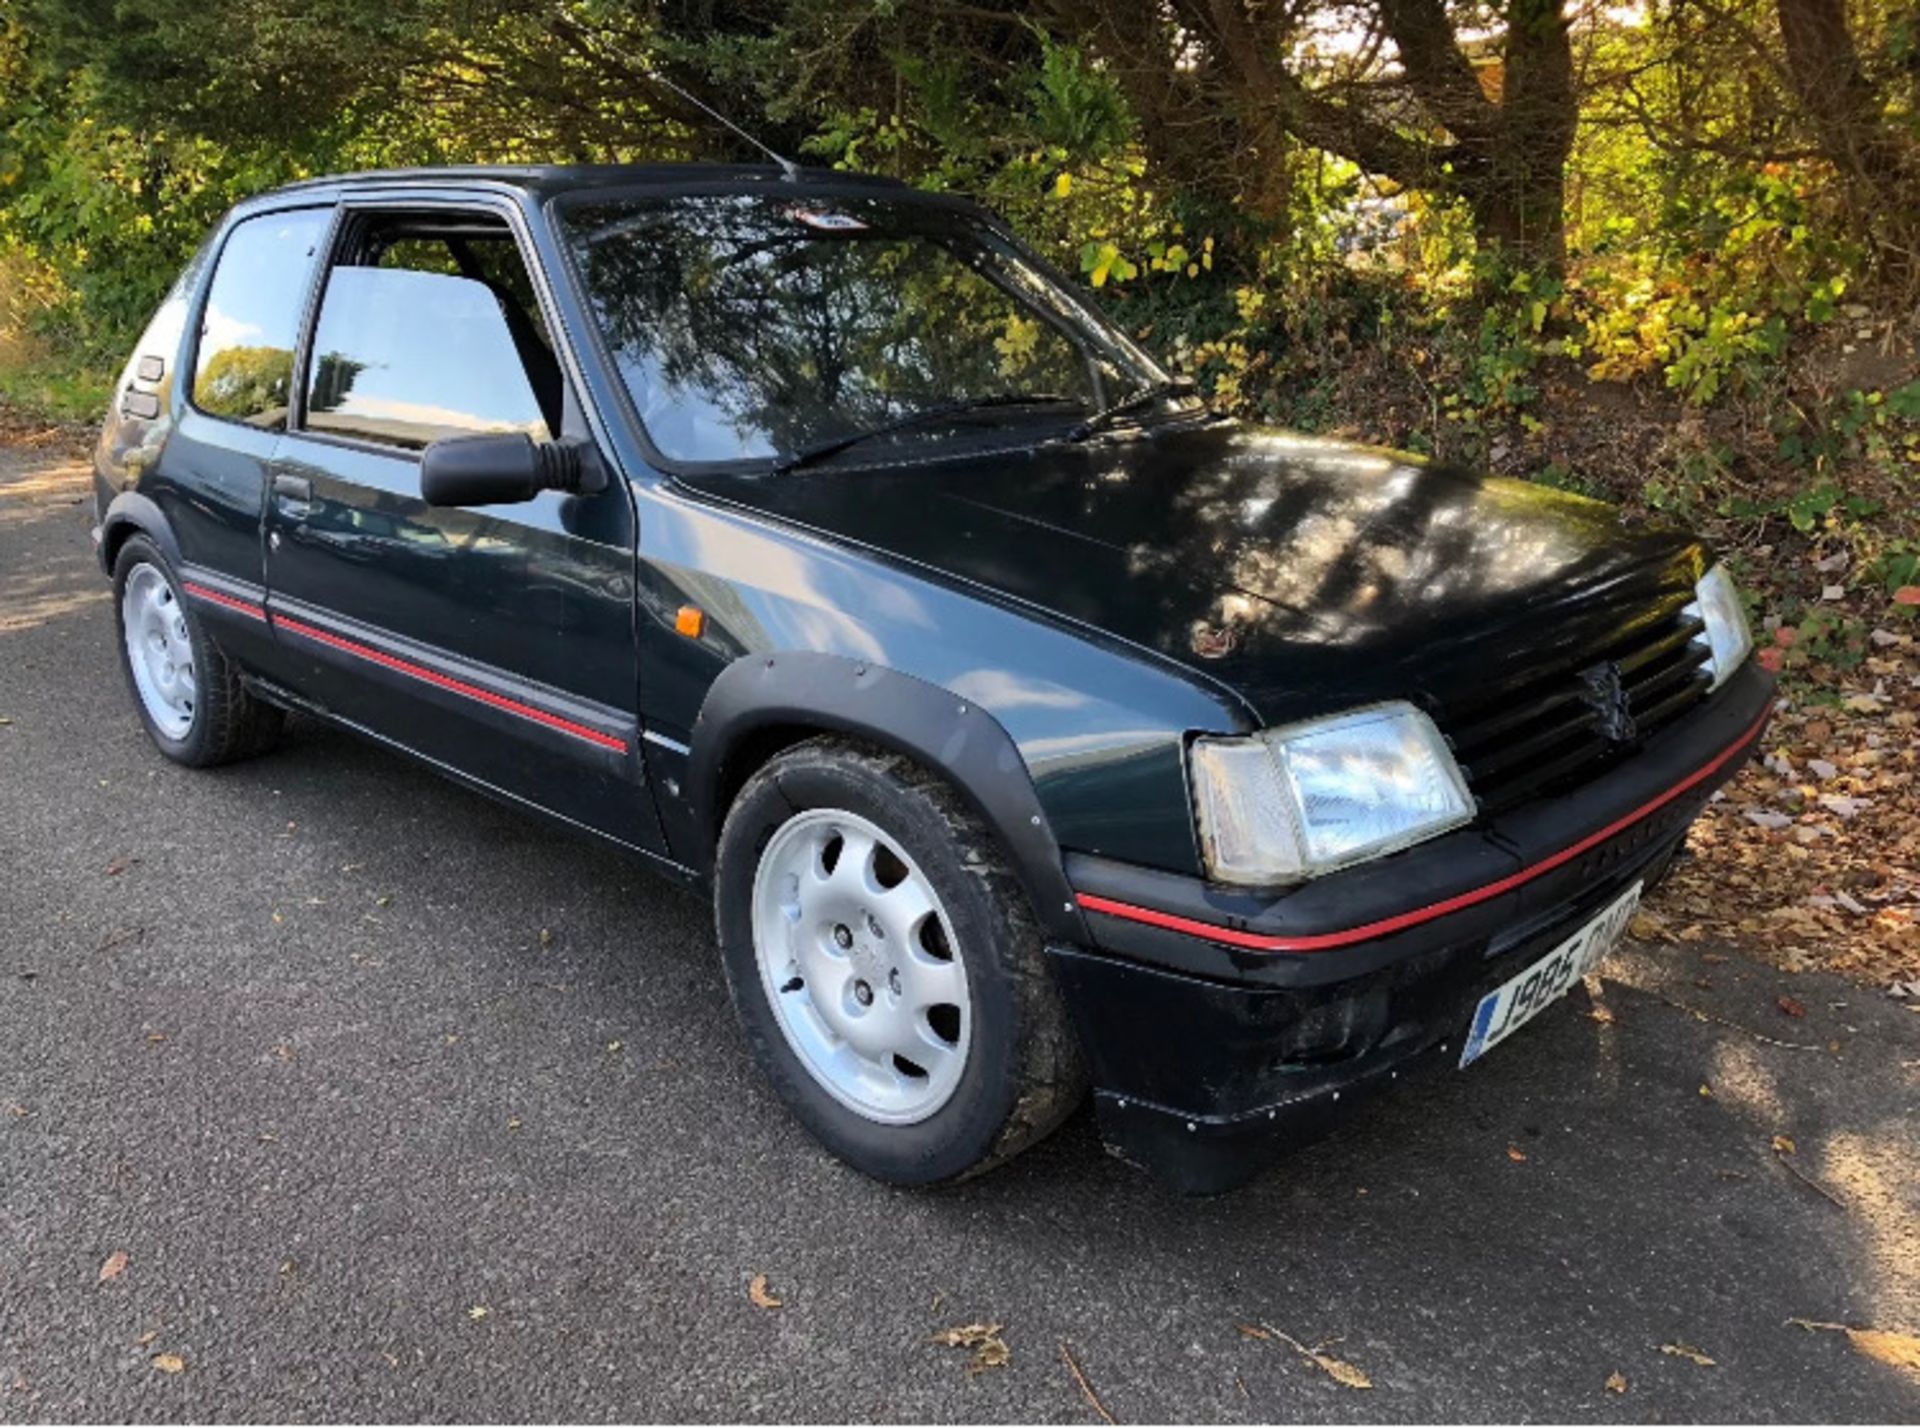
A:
52,393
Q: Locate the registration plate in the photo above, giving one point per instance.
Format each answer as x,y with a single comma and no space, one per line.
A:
1507,1007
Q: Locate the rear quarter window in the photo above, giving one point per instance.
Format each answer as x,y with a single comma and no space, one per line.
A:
243,370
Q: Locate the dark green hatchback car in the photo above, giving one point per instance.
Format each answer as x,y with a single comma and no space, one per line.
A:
1032,727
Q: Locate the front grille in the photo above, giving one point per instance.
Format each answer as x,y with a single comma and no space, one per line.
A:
1561,726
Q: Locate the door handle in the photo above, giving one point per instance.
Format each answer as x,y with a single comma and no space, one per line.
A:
293,488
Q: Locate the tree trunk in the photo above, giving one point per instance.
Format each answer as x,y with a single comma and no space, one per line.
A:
1522,214
1880,166
1503,154
1519,201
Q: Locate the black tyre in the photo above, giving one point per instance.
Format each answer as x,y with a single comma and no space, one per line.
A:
187,692
886,967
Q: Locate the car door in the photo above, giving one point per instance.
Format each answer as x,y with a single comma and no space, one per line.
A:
497,642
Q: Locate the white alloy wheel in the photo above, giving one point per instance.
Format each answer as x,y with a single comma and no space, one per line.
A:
859,962
159,650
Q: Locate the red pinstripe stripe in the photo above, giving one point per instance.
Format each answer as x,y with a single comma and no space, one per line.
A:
434,677
1323,941
245,607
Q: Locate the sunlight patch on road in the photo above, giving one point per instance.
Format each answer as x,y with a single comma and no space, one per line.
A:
37,491
1878,1175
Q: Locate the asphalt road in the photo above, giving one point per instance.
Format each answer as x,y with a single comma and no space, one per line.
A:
401,1106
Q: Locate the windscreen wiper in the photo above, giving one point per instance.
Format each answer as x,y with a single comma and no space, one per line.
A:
811,454
1146,396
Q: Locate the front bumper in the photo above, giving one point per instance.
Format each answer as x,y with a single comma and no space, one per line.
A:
1224,1028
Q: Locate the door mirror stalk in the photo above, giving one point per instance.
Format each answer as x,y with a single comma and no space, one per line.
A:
494,470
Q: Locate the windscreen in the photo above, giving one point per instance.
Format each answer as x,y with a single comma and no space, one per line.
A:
749,326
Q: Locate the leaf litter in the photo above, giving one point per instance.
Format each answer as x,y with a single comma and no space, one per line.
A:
762,1297
1689,1353
990,1350
1339,1370
1811,858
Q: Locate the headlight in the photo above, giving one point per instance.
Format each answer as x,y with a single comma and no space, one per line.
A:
1292,803
1717,604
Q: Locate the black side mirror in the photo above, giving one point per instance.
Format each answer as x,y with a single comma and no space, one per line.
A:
496,470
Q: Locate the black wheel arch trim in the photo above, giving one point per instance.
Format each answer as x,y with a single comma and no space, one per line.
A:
131,513
952,736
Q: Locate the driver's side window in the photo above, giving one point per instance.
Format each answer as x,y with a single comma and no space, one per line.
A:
427,329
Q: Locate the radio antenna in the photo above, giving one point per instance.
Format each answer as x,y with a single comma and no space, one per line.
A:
788,168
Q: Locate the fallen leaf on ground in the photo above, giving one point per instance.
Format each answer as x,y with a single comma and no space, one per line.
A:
119,866
146,1338
1783,1144
1339,1370
1791,1007
762,1297
168,1363
989,1349
1688,1352
1602,1015
479,1311
116,1262
1706,1090
1616,1383
1516,1155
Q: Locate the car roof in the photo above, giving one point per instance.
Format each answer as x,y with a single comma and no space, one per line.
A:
542,181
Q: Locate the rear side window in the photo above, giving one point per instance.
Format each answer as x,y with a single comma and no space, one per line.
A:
244,368
427,329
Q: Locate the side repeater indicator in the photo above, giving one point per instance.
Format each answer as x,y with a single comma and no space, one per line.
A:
690,621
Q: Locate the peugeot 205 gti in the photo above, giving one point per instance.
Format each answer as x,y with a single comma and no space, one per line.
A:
1032,726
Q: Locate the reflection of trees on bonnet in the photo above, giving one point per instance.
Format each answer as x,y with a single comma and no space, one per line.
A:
792,335
1341,544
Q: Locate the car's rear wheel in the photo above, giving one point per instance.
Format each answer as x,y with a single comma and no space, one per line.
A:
886,967
187,692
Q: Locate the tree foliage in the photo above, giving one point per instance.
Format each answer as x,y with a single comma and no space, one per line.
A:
1469,191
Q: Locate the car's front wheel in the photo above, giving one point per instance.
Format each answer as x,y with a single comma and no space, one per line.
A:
886,967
